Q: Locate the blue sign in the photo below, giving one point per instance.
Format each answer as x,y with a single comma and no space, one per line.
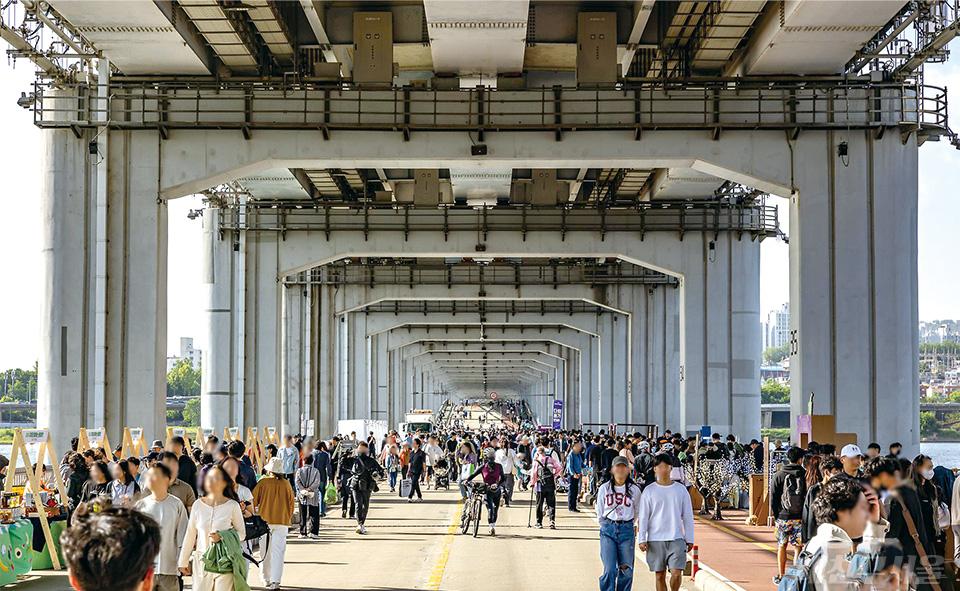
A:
558,414
705,432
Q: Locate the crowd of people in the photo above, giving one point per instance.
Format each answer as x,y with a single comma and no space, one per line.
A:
856,520
865,520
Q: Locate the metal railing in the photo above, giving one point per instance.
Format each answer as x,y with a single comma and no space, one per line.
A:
645,104
759,220
376,272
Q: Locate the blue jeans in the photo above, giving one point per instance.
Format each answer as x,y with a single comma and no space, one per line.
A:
393,480
617,548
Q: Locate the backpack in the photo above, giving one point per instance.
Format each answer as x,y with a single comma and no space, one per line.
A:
799,576
792,497
546,478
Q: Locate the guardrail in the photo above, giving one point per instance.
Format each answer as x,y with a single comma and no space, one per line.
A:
670,216
714,104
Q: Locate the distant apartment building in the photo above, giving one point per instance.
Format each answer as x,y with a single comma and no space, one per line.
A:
777,327
939,331
187,351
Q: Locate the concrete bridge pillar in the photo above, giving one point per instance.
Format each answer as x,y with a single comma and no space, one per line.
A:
853,284
719,357
103,322
216,384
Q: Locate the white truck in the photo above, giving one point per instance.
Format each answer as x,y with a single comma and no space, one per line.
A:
417,421
363,427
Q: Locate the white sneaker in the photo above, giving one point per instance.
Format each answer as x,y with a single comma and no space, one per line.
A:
363,529
360,529
314,536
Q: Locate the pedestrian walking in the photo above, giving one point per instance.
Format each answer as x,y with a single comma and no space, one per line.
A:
171,515
665,525
788,490
507,458
418,464
575,476
273,501
617,502
309,493
214,514
363,484
546,471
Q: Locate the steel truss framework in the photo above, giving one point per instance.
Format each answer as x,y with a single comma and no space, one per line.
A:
519,272
483,307
713,104
758,220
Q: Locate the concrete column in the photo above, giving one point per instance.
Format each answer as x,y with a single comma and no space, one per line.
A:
621,395
716,335
709,343
592,400
604,403
65,370
656,397
671,341
136,330
359,369
292,359
327,359
123,338
853,284
381,392
745,346
634,300
263,343
216,391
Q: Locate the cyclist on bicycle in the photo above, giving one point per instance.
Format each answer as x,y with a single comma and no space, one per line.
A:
492,475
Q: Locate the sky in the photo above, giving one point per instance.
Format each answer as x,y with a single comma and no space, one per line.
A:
20,227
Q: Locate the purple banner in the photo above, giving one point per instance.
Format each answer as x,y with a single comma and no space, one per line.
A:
558,414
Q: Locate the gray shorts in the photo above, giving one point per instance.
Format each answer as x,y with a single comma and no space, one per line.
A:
667,555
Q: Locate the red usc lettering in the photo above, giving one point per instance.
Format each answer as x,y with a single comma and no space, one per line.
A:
616,498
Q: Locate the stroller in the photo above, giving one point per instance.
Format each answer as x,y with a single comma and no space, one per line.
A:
441,473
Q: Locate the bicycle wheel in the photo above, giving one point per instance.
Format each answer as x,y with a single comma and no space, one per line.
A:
465,519
478,511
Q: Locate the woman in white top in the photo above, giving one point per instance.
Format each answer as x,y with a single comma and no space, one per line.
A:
214,512
244,494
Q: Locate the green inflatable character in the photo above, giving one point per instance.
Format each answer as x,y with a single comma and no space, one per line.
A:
7,573
21,541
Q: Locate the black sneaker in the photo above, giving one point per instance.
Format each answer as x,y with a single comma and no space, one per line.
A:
776,580
539,526
553,525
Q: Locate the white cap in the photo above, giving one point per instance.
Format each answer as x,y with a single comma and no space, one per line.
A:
851,451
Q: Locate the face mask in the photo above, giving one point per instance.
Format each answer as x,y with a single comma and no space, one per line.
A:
927,474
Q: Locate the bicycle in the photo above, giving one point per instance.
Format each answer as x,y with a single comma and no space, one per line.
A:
473,509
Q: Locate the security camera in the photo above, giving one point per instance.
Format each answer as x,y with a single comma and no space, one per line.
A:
26,100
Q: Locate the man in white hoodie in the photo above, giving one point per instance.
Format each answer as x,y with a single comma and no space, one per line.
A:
845,510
